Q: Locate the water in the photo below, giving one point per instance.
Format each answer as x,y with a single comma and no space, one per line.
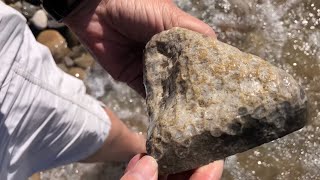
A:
285,33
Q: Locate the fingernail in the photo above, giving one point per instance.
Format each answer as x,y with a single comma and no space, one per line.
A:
145,169
132,163
216,171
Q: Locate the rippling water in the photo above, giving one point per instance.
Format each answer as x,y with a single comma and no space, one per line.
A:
285,33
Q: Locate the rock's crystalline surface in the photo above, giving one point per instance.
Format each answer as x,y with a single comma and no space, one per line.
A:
208,100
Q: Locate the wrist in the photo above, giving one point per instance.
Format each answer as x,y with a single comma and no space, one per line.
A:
139,145
130,143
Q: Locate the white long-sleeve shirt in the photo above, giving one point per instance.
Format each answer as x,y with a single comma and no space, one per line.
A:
46,119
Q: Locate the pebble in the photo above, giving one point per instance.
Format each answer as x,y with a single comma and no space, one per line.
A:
28,10
40,19
55,42
53,24
34,2
68,61
71,38
84,61
63,67
77,51
11,1
17,6
77,72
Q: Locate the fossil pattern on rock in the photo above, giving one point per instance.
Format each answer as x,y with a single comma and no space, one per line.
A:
208,100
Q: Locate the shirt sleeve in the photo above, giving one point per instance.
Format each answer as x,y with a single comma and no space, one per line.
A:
46,119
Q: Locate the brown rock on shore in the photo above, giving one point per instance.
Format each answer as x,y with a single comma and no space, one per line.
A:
55,42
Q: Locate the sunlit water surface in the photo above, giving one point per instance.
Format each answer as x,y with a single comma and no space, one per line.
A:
285,33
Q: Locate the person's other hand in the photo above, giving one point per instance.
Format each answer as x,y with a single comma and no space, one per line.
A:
116,32
146,168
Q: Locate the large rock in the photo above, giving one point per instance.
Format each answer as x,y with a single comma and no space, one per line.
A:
208,100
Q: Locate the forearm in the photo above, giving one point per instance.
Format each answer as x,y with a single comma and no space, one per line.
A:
121,144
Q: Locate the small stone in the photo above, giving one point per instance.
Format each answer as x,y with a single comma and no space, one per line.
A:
77,51
54,24
40,19
34,2
84,61
68,61
28,10
208,100
11,1
71,38
63,67
55,42
77,72
17,6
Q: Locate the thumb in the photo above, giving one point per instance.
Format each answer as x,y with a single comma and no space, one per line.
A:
189,22
212,171
185,20
145,169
